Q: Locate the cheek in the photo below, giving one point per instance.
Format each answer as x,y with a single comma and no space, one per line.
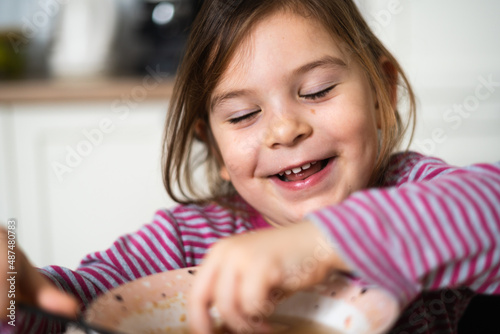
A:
349,121
363,132
364,149
362,115
239,154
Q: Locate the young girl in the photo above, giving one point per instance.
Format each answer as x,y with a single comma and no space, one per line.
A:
295,102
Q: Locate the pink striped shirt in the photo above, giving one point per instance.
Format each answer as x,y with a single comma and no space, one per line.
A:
431,236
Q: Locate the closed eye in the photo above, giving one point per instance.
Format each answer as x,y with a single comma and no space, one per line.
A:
245,117
318,95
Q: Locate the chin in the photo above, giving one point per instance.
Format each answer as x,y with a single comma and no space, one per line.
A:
298,216
303,208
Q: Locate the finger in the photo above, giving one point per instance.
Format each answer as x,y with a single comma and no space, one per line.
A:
227,303
255,299
199,301
56,301
40,291
256,288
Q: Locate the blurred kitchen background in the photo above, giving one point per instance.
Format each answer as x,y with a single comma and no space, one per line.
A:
85,84
83,38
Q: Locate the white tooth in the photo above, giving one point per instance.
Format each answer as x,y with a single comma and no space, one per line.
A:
306,166
281,174
313,163
288,172
296,170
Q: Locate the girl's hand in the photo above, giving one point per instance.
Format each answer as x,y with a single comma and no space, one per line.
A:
29,286
245,276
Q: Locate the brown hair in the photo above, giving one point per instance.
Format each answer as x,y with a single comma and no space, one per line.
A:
217,32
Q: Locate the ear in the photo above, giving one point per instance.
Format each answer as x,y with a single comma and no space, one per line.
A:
224,173
200,130
391,75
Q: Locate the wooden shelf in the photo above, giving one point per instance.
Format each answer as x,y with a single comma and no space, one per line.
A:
90,89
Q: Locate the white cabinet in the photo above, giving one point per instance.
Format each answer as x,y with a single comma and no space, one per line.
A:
76,174
7,170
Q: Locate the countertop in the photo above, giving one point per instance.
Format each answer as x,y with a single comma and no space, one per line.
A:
50,90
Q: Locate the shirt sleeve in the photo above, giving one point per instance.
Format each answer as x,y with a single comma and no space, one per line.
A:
438,227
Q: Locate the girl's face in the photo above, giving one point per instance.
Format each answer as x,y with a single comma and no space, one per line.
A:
294,119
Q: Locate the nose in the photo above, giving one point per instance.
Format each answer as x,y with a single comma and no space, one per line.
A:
287,129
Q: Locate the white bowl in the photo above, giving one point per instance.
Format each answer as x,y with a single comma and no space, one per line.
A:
157,304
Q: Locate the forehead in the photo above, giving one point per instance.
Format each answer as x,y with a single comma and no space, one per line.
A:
284,39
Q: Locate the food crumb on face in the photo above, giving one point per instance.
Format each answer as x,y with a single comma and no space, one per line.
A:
182,318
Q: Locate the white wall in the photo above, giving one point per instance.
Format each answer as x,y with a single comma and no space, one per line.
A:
448,48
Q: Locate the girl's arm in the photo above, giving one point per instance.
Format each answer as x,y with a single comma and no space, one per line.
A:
438,227
27,286
156,247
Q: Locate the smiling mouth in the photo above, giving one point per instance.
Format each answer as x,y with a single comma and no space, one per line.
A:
302,173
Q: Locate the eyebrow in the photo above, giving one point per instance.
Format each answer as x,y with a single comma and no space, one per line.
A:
218,99
322,62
